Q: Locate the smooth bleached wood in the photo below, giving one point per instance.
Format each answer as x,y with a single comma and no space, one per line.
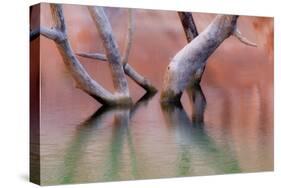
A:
128,69
111,49
181,70
191,32
83,80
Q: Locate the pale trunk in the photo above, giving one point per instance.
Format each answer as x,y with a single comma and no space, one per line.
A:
181,70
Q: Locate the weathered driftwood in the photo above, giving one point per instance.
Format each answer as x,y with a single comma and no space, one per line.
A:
59,35
181,70
191,32
111,49
96,56
128,69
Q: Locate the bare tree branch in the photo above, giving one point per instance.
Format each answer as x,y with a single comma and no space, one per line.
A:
80,75
46,32
96,56
191,32
58,18
179,74
243,39
105,31
129,70
129,37
111,49
139,79
189,26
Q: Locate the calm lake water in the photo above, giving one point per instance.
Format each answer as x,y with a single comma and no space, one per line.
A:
226,126
154,141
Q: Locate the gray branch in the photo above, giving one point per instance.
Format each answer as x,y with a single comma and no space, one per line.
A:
139,79
80,75
112,53
179,74
191,32
129,37
52,34
188,25
96,56
128,69
111,49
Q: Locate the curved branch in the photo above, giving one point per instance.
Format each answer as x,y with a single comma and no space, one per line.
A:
243,39
180,72
112,52
80,75
139,79
128,69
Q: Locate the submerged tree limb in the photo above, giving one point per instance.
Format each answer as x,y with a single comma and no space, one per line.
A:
139,79
111,49
191,32
80,75
181,70
128,69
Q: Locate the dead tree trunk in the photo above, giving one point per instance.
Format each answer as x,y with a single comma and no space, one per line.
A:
181,70
128,69
111,49
80,75
191,32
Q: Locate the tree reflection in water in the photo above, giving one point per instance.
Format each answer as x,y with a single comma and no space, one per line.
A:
86,130
196,147
197,153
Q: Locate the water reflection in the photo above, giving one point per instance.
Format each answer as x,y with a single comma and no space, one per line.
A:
198,103
121,131
196,152
196,147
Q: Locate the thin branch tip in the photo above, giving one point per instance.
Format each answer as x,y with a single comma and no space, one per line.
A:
96,56
243,39
129,37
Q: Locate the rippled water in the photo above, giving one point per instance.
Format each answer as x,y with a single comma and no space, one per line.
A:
226,126
154,141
